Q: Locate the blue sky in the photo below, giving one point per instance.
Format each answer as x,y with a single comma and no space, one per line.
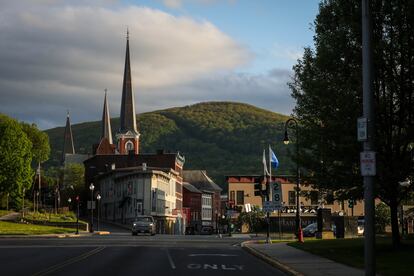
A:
270,28
60,55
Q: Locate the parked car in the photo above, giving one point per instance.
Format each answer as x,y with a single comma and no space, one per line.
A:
310,230
144,224
206,230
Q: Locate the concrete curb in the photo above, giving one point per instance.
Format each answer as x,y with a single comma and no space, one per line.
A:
273,262
100,233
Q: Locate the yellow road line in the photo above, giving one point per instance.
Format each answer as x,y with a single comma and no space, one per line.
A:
68,262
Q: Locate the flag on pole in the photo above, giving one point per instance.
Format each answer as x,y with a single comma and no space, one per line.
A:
266,172
273,159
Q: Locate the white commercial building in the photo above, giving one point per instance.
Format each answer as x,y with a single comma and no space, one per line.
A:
129,192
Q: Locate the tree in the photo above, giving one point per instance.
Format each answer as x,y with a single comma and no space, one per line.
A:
327,87
254,219
15,158
73,178
40,142
382,217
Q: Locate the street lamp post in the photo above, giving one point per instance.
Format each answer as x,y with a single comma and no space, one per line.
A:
77,215
69,202
98,197
24,191
288,123
91,187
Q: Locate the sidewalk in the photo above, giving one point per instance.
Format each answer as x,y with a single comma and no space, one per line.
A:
10,217
298,262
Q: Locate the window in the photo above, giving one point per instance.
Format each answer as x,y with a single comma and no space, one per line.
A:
292,198
314,197
240,197
129,146
232,195
330,199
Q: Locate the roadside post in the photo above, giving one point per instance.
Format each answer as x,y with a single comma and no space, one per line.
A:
368,142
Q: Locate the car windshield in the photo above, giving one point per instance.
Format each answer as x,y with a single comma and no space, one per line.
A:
144,219
311,226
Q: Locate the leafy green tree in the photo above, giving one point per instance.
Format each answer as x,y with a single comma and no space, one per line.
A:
327,87
40,142
254,219
15,158
382,217
74,179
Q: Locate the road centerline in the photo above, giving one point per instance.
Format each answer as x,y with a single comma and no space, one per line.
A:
73,260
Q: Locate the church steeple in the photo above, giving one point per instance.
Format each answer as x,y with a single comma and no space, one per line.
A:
128,135
68,147
106,122
128,121
105,145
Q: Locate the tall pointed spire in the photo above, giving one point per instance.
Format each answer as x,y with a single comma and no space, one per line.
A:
128,121
106,122
68,147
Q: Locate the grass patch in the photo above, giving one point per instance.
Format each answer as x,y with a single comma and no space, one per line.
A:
11,228
5,212
389,260
51,217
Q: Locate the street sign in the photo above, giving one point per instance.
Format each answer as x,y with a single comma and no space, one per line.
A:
362,129
277,197
269,206
89,205
231,212
368,163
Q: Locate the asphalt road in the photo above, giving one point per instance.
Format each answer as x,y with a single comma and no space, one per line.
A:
123,254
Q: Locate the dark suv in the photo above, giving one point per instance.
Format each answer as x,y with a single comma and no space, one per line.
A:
144,224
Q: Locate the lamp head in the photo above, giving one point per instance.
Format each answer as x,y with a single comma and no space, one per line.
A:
286,139
91,187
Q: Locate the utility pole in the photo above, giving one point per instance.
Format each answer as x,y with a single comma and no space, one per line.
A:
369,114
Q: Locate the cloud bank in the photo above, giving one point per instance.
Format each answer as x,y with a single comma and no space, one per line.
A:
56,57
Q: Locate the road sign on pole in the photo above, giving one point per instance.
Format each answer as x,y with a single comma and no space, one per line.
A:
362,129
277,197
368,163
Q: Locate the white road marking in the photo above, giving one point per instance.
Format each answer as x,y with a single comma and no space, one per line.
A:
218,255
61,265
170,259
214,267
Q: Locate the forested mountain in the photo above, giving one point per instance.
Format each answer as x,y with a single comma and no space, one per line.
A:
220,137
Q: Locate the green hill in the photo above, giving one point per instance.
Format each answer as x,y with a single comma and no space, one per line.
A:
220,137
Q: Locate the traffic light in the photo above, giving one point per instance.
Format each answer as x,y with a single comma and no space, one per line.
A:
351,203
257,189
258,186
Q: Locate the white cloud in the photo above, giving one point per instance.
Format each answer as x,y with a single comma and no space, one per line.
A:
55,57
176,4
280,51
173,3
